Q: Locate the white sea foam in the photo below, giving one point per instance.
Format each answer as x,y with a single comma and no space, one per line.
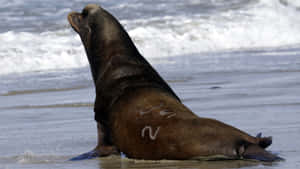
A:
20,52
268,23
292,3
29,157
265,24
26,157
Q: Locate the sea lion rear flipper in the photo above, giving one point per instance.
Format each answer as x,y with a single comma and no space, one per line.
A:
256,152
259,135
264,142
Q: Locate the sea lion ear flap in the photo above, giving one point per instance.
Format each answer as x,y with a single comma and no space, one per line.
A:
74,19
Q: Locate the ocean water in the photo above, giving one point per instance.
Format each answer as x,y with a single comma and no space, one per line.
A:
237,61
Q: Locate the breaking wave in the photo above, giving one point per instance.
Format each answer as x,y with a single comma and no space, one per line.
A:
263,24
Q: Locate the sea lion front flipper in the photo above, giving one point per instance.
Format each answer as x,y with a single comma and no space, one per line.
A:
101,152
255,152
85,156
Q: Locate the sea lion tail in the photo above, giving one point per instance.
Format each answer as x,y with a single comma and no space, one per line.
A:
256,152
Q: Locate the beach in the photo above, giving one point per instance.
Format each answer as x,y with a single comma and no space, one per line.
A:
234,61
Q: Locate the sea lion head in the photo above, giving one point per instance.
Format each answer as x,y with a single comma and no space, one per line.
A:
94,22
102,35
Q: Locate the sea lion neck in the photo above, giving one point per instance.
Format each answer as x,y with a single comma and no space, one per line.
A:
108,38
101,57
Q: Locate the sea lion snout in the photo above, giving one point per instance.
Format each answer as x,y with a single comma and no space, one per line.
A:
80,21
74,19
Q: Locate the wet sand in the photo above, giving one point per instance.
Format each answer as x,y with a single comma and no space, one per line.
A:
44,127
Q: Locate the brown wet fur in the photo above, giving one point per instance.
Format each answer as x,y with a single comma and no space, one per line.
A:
181,134
136,111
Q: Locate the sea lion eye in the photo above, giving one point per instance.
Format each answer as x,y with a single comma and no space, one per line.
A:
85,13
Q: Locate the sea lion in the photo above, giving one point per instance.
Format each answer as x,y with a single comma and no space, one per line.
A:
137,113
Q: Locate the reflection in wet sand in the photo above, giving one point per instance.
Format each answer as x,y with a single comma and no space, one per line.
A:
117,162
